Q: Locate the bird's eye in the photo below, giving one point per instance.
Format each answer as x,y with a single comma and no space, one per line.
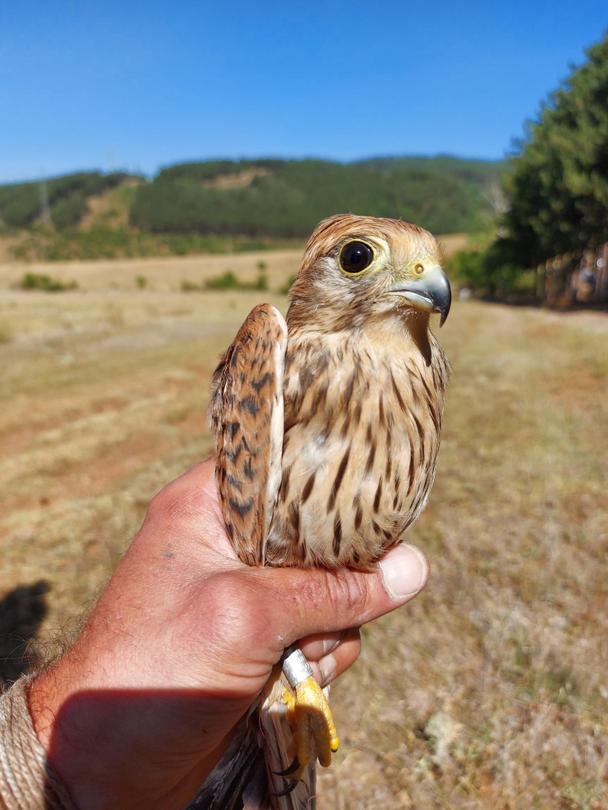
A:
418,268
355,257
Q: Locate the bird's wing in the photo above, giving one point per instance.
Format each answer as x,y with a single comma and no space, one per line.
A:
247,417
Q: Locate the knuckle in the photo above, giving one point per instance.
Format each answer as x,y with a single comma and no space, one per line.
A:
165,504
342,597
314,593
350,594
174,503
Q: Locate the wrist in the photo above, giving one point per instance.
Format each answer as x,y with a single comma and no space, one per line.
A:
26,778
115,748
67,733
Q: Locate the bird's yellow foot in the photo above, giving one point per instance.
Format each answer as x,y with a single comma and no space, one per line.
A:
314,730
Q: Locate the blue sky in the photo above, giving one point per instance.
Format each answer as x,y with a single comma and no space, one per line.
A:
136,85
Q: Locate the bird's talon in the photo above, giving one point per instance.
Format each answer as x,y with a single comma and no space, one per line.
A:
315,730
290,769
289,789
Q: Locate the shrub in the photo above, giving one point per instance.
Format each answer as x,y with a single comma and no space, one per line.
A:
189,286
488,272
468,268
45,283
228,281
261,283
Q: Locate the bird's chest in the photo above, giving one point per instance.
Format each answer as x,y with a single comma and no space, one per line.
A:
361,439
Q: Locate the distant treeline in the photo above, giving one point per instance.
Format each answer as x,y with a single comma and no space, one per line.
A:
268,198
60,200
287,198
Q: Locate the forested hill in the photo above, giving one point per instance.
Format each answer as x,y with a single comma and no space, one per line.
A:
286,198
259,198
60,201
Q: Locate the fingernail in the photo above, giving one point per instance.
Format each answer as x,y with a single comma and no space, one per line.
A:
328,669
404,571
330,644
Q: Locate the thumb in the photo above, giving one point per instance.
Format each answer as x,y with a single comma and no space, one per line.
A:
316,600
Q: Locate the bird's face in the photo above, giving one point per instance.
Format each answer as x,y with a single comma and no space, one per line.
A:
359,268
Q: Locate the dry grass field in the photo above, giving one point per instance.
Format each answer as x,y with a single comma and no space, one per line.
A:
491,689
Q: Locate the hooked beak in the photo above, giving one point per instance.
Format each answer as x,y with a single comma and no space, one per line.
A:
430,293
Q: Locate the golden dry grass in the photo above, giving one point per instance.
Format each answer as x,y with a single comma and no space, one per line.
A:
491,689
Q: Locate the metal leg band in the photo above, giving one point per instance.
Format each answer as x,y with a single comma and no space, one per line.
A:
296,668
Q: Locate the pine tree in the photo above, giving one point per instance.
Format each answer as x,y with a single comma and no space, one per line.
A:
558,184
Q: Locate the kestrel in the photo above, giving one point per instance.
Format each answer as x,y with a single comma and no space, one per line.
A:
328,425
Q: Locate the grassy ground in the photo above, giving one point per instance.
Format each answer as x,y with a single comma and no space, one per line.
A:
491,689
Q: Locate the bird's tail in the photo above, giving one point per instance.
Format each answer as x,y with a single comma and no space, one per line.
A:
248,777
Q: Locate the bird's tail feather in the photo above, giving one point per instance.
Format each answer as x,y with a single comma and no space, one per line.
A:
248,775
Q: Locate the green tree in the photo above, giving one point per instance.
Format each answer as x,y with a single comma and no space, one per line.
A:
558,183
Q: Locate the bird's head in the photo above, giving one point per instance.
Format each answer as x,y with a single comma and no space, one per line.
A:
356,269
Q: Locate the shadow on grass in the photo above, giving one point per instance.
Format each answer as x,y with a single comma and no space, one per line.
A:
22,611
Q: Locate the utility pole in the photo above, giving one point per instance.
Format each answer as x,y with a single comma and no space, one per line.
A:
45,208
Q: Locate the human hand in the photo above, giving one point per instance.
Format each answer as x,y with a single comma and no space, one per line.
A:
181,643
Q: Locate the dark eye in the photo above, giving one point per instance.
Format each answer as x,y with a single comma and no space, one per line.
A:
355,257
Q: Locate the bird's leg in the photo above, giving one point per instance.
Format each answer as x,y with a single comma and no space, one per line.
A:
314,728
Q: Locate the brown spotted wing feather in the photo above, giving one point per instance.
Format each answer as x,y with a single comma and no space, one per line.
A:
247,417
